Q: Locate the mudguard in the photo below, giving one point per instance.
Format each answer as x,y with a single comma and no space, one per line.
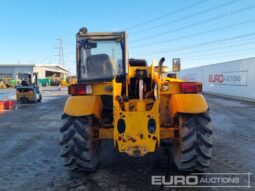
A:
83,105
188,103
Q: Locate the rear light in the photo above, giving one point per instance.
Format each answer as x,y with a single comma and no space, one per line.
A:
79,89
191,87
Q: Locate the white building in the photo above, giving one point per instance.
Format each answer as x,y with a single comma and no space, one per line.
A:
53,72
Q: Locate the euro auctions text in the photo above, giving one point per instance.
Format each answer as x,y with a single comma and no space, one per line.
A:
235,180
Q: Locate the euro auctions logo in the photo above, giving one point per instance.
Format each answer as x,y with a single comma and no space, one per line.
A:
175,180
222,180
237,78
216,78
220,78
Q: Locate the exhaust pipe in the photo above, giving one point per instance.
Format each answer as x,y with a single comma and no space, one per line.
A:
162,60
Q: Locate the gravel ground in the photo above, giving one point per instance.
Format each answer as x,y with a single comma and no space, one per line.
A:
30,154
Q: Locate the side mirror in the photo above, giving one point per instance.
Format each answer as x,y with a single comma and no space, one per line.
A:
176,65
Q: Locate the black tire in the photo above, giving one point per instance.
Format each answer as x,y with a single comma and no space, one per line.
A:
77,147
194,150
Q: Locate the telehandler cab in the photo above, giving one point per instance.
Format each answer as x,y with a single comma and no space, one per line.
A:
132,104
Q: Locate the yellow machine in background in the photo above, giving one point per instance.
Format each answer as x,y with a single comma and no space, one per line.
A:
70,80
137,106
64,83
2,85
27,91
5,82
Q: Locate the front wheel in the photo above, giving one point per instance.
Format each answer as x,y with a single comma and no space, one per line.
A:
193,152
78,149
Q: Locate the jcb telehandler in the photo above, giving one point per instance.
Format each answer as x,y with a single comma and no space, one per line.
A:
134,105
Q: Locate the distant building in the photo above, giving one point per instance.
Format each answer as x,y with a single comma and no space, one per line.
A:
47,71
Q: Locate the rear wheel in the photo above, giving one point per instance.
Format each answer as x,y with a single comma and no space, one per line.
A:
194,150
79,150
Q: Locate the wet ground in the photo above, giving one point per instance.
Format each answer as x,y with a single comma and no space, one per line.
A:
30,154
48,93
6,94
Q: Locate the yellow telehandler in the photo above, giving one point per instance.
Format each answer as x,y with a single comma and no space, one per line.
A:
135,105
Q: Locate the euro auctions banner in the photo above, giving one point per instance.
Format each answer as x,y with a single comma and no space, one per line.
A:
234,78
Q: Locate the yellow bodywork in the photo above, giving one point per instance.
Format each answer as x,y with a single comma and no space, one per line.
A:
89,104
29,95
136,140
83,105
107,133
187,103
135,105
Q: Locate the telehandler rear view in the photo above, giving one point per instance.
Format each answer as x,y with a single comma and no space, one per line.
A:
133,104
